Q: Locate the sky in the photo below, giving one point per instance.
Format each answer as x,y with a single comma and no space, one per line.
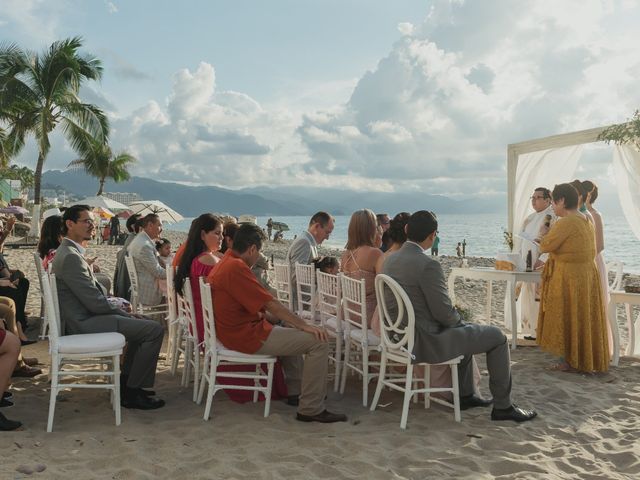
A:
356,94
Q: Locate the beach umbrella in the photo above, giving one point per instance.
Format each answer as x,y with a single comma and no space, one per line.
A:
280,226
101,201
14,210
166,213
103,213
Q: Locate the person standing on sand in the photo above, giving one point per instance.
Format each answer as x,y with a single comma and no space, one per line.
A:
269,228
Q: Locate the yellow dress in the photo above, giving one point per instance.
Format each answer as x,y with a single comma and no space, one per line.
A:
572,320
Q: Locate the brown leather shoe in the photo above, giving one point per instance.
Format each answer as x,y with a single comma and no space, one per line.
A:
25,371
323,417
31,361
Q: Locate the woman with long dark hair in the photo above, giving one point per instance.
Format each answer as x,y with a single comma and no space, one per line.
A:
50,238
203,241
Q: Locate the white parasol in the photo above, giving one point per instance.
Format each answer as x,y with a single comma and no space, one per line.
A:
101,201
166,213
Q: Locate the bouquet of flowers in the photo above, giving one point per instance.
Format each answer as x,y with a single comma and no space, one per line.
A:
508,239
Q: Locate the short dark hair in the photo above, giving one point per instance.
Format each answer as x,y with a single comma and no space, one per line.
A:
396,229
325,263
73,213
566,192
546,193
230,229
380,218
420,225
577,184
161,242
149,219
323,218
132,221
592,188
248,234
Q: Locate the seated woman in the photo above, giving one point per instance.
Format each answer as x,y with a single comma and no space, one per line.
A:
361,254
203,242
572,320
13,283
9,351
8,321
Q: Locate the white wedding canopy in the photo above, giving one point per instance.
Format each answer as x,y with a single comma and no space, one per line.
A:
551,160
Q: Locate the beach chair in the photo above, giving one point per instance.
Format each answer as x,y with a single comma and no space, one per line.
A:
397,339
102,349
330,311
216,354
359,340
187,314
136,305
306,292
283,285
40,271
172,319
617,267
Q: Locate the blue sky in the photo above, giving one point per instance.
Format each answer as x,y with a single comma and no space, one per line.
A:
376,94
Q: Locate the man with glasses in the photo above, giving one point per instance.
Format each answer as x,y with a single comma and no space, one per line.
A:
84,309
535,226
145,257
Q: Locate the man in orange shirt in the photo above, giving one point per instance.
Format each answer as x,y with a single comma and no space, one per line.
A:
242,307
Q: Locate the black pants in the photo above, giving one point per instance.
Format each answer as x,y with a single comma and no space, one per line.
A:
18,295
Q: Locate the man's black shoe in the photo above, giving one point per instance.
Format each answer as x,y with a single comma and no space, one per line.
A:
293,400
323,417
5,402
7,395
134,398
7,425
472,401
148,393
514,413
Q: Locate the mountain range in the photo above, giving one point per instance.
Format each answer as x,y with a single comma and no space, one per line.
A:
191,201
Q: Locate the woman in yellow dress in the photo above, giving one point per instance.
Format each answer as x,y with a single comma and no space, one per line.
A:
572,320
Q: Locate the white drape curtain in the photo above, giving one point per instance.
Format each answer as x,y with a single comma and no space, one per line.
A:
544,168
626,168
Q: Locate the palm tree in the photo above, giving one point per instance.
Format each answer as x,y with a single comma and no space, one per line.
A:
100,162
39,92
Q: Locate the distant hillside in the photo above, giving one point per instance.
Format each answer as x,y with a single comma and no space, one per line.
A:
192,201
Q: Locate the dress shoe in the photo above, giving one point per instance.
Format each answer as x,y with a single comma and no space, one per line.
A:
31,361
293,400
27,342
7,425
530,337
514,413
25,371
7,395
134,398
472,401
5,402
148,393
323,417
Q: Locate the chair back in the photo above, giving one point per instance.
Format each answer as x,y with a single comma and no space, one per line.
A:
172,307
39,267
397,324
329,299
133,280
306,290
51,308
283,285
208,318
617,267
354,306
186,308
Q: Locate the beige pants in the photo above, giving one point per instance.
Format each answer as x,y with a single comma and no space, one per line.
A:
290,343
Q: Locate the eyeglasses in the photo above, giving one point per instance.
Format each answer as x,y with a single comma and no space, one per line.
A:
537,197
88,221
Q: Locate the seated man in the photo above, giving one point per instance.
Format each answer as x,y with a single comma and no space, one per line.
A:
145,257
440,334
85,309
239,304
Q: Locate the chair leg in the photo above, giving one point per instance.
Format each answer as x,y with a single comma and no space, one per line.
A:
267,395
168,359
212,387
427,384
204,378
407,396
196,370
381,375
345,366
336,383
188,359
365,376
456,392
256,383
116,388
175,355
55,365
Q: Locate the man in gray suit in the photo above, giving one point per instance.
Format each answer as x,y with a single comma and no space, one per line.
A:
85,309
440,333
304,249
145,257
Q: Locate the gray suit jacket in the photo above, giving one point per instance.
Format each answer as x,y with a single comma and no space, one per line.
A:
423,280
81,299
145,256
303,250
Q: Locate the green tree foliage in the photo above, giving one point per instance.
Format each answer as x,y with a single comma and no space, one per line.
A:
624,133
100,162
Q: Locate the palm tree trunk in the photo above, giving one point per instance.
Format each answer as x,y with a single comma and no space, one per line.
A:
37,180
101,187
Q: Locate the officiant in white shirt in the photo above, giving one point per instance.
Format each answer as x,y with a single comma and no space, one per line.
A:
535,226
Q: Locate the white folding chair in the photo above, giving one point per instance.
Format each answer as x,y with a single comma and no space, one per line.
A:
306,292
172,318
136,304
216,354
617,267
359,339
40,271
398,334
284,292
103,349
187,314
330,310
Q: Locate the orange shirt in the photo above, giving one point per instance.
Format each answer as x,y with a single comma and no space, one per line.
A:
238,297
178,256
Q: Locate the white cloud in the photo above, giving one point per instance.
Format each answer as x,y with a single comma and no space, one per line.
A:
111,7
406,28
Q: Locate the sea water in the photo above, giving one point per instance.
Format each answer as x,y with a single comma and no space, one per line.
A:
483,233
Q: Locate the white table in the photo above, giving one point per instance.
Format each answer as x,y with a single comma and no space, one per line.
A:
490,274
628,299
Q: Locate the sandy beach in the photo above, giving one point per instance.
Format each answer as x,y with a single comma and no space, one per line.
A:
588,425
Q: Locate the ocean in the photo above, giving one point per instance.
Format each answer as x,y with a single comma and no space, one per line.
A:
482,232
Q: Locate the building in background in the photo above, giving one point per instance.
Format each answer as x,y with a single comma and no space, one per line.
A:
123,197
